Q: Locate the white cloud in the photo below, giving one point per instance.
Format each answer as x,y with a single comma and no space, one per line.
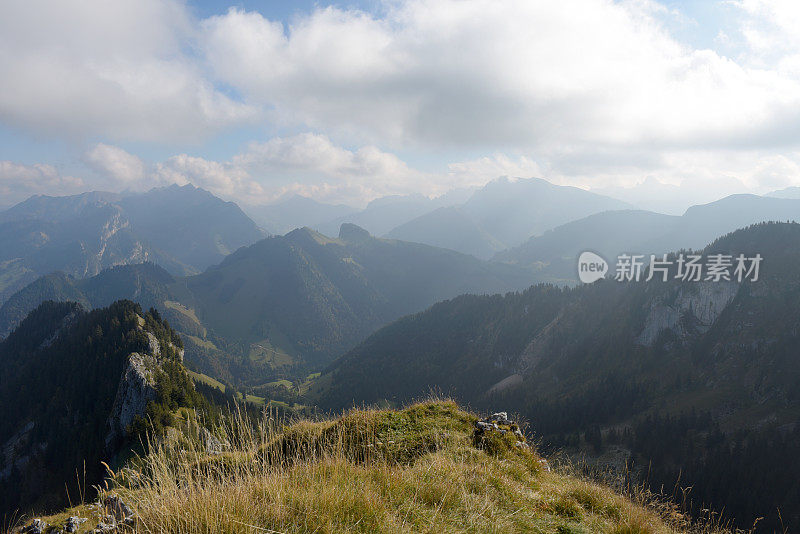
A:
118,70
19,181
594,93
223,179
309,164
500,75
480,171
312,164
116,164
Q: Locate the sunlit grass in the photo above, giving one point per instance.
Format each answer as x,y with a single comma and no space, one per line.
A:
412,470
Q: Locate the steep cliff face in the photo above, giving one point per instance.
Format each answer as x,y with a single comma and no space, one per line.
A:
137,387
690,309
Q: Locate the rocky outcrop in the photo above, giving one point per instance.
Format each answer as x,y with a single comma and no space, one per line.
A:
37,526
539,346
74,523
111,514
211,443
353,234
137,387
693,309
11,457
500,423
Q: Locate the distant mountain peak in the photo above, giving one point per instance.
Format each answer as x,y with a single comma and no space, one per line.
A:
788,192
352,233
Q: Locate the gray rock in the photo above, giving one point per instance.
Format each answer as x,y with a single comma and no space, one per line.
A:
74,523
136,388
104,528
117,508
500,417
37,526
704,301
213,445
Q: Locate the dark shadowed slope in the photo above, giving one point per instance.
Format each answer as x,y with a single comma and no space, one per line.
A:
77,389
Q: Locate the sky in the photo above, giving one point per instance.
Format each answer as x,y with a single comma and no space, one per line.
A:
665,104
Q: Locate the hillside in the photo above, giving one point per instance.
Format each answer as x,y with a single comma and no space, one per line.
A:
183,229
145,283
697,378
79,388
514,210
555,253
287,305
203,228
312,297
419,469
449,228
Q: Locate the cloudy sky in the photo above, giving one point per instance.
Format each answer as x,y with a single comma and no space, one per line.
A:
669,102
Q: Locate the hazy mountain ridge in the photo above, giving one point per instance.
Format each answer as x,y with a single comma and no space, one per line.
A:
314,296
286,302
183,229
450,228
503,214
296,211
555,252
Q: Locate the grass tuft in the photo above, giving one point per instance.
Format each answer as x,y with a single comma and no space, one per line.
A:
416,469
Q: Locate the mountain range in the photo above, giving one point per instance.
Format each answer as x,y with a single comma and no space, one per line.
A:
678,382
184,229
502,214
286,302
610,233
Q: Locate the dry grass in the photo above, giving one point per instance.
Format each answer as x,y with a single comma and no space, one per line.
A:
412,470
